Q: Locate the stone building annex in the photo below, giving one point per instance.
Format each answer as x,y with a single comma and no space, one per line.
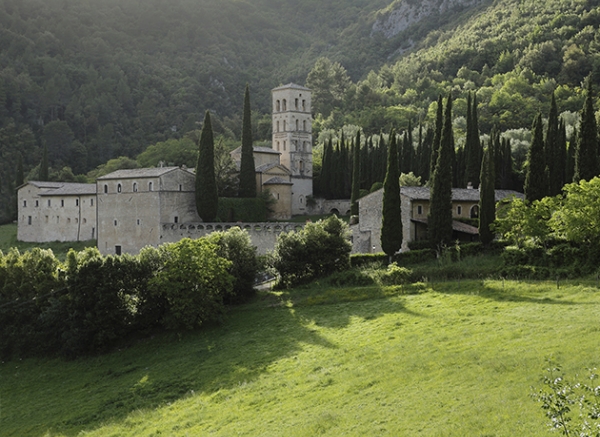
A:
129,209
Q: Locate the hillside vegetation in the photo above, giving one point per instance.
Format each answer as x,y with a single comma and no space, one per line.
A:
456,359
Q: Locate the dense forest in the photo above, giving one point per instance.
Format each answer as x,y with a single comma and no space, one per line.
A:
92,80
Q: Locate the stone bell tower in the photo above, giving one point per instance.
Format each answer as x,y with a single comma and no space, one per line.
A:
292,137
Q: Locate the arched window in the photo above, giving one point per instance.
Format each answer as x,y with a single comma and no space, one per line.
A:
277,125
284,125
301,165
304,105
105,188
119,188
296,104
150,186
304,125
135,187
475,211
278,146
284,104
297,122
277,106
284,144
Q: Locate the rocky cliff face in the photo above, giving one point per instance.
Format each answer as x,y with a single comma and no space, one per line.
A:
409,12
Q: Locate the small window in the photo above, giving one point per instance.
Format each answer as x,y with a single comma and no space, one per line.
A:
419,209
24,204
76,220
138,222
91,202
284,104
297,125
304,105
105,188
47,219
277,125
49,202
84,220
118,249
76,202
119,188
285,125
296,104
278,146
37,203
301,169
68,220
150,186
115,222
93,232
284,145
176,219
135,187
180,187
459,210
62,203
304,125
57,219
28,220
278,106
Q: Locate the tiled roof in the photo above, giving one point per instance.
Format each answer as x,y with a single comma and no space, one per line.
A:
266,167
71,189
456,226
46,184
141,173
257,149
291,85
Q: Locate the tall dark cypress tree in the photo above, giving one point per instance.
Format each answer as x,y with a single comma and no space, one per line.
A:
247,167
536,180
571,151
426,154
586,154
439,221
551,148
391,224
472,145
43,172
487,200
206,184
327,171
435,145
562,153
355,194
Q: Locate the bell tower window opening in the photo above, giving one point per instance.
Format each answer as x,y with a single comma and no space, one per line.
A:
304,105
277,106
297,125
284,145
296,103
285,125
277,125
135,188
119,188
304,125
284,104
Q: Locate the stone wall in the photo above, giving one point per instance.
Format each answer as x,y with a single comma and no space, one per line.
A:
338,207
262,235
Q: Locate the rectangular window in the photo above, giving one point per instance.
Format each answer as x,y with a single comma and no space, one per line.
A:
29,220
24,204
419,209
459,210
118,249
76,202
138,222
37,203
176,219
115,223
49,202
91,202
62,203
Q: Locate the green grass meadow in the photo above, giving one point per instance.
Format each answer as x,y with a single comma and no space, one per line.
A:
443,359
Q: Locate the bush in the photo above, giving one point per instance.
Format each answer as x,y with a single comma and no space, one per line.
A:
351,277
395,275
235,245
237,209
363,259
317,250
193,282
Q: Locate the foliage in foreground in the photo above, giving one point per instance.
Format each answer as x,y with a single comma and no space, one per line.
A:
317,250
91,302
572,407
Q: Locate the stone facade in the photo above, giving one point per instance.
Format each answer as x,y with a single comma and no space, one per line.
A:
414,201
133,204
56,211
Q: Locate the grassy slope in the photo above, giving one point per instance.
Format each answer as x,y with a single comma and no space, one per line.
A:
457,360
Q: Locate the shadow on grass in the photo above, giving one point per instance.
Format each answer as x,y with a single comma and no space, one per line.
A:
530,291
159,371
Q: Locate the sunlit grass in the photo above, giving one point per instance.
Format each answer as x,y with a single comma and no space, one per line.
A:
441,359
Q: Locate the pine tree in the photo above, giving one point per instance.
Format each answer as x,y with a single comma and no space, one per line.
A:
247,167
439,221
43,171
206,184
355,194
391,224
487,200
586,153
536,180
435,145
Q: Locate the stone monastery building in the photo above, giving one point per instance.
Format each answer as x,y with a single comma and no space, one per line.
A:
129,209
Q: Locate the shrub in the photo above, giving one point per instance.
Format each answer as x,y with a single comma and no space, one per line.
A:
234,209
351,277
363,259
193,282
235,245
395,275
317,250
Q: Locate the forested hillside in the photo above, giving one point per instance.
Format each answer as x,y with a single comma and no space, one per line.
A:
93,80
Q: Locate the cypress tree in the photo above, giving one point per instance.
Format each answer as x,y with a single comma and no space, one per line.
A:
506,177
586,153
327,171
391,224
426,154
355,194
440,209
472,144
552,153
536,180
206,183
247,167
562,154
487,200
382,153
43,172
435,145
